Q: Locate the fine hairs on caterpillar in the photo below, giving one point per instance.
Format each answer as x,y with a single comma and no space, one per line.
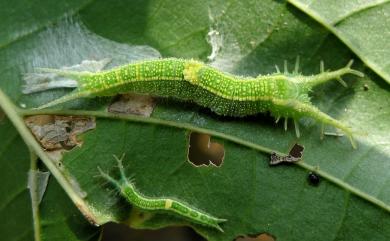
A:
284,95
132,195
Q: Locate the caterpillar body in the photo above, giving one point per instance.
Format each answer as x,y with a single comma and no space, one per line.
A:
132,195
282,94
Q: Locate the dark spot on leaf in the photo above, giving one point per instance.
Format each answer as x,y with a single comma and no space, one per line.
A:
202,151
313,179
260,237
365,87
59,132
133,104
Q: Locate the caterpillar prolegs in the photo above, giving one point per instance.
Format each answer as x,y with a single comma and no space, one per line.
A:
284,95
132,195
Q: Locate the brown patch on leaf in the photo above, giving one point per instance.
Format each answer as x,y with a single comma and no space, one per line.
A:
59,132
133,104
261,237
202,151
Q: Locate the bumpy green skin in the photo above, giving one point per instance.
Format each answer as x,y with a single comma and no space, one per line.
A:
284,95
132,195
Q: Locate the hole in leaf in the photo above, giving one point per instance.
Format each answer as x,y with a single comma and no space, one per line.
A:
202,151
260,237
59,132
133,104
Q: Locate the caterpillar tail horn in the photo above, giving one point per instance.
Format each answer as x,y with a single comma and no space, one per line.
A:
36,82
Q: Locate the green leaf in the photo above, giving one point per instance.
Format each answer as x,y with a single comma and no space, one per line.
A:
15,204
352,201
364,26
23,18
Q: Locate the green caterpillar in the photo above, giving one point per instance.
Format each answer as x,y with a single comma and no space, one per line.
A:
128,190
283,94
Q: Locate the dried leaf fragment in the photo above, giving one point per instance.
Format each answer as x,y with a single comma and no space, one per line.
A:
59,132
133,104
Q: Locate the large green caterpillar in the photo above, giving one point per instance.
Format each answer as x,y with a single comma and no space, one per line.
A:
132,195
283,94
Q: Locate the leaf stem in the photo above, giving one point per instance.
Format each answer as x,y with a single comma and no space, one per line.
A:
34,197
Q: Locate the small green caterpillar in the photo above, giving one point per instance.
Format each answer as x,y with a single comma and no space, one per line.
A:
128,190
283,94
